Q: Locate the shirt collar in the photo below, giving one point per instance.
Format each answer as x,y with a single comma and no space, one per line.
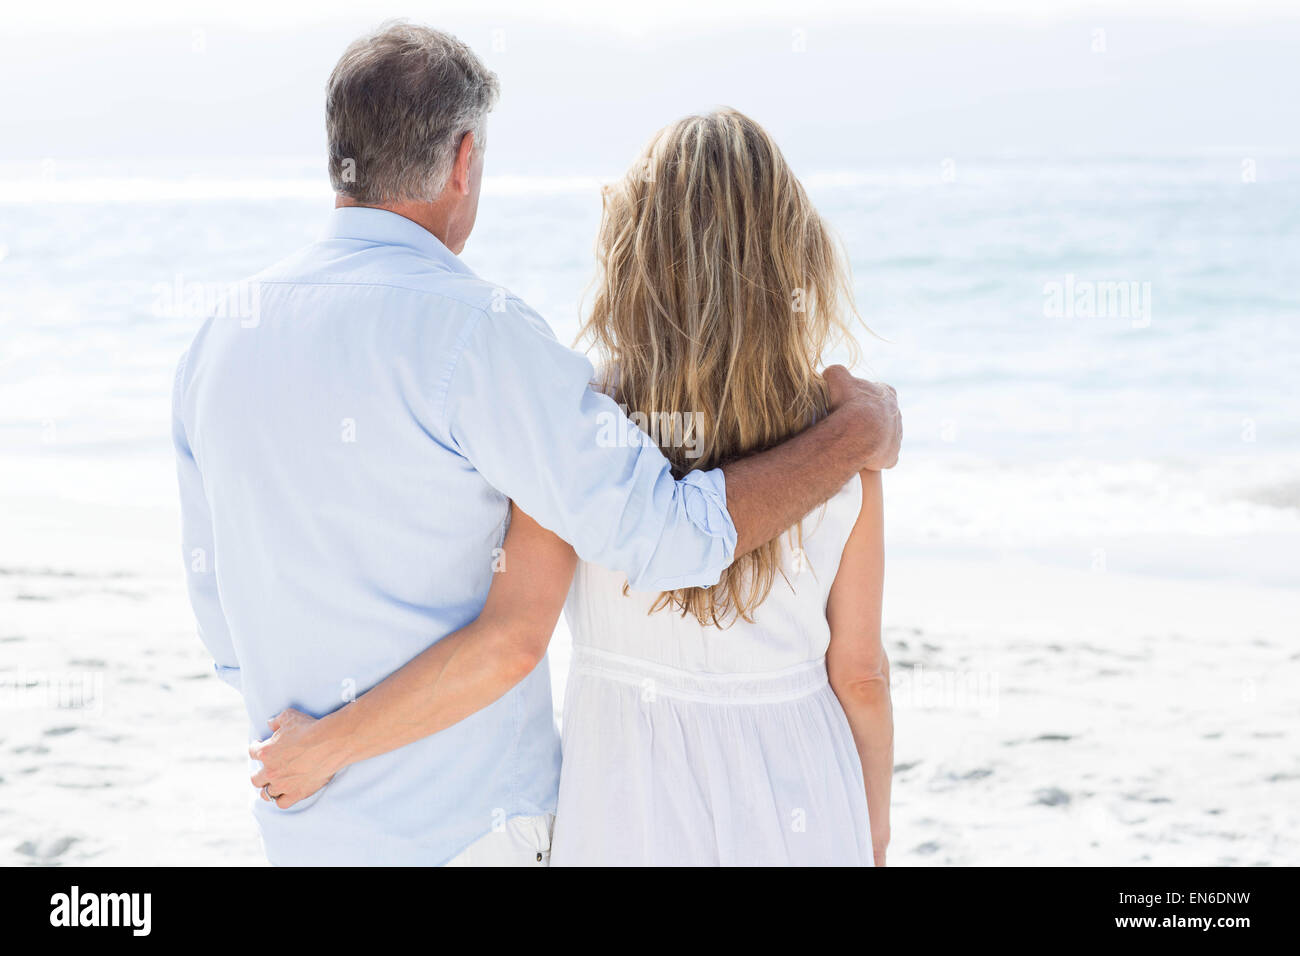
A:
388,228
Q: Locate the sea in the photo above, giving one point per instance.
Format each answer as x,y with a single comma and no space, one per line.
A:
1097,358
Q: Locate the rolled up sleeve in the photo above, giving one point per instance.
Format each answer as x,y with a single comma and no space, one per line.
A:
518,405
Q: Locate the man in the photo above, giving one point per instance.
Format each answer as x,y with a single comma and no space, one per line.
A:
347,459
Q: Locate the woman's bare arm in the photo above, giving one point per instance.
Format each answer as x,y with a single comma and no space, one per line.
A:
461,674
856,660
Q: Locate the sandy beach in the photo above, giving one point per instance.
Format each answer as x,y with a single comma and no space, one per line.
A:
1044,716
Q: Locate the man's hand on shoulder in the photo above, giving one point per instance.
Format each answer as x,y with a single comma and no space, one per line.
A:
874,405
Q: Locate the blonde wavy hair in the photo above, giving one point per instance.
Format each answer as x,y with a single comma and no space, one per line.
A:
719,289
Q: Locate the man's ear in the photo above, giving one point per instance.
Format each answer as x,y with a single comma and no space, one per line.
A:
460,169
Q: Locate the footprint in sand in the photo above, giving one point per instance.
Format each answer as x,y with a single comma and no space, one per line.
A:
1052,797
48,851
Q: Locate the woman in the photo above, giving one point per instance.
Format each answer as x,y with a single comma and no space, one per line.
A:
699,725
744,724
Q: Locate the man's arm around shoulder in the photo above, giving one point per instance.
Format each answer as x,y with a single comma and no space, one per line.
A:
769,492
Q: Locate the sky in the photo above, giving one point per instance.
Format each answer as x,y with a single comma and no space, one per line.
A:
277,14
168,89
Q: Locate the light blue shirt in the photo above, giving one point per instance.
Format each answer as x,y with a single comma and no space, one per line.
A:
348,434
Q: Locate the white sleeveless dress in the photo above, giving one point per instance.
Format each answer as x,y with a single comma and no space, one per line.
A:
693,746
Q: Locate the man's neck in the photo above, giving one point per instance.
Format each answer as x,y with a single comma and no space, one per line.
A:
427,215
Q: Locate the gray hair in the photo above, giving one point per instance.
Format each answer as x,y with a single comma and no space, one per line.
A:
397,106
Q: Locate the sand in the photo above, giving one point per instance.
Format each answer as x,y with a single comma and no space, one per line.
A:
1044,716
